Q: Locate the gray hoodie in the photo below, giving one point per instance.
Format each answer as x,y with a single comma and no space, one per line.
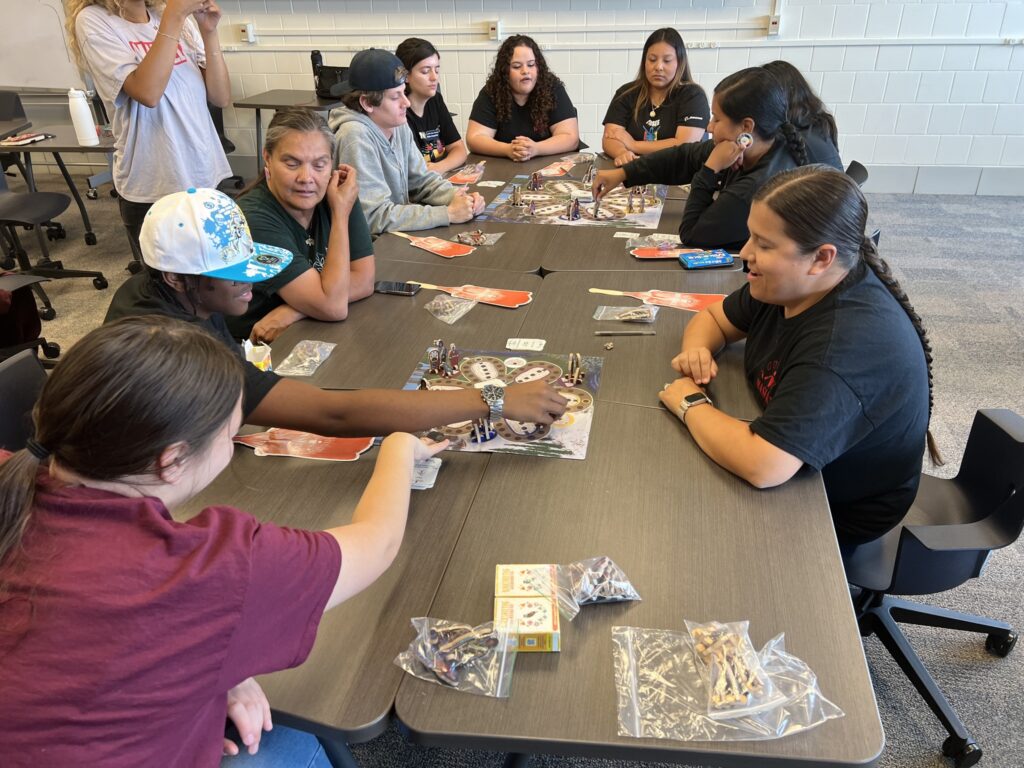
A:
395,188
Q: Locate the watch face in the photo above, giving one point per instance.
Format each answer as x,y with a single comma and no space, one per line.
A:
696,397
492,393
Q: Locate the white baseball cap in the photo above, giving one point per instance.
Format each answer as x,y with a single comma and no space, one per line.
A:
203,232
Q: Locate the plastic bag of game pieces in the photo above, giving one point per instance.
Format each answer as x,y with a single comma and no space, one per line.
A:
471,659
656,240
645,313
478,237
596,580
661,693
305,358
447,308
579,157
736,683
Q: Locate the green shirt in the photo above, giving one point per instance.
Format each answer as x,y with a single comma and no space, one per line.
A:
271,224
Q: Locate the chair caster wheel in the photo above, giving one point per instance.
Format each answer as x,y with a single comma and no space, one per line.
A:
999,645
91,193
134,267
113,193
99,283
90,238
964,753
51,350
47,313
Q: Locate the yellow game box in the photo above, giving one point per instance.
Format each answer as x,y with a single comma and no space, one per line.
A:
526,580
534,620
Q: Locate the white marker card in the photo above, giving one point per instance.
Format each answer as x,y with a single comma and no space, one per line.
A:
424,473
491,183
527,345
626,234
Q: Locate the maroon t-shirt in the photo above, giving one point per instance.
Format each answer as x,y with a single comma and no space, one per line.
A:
121,630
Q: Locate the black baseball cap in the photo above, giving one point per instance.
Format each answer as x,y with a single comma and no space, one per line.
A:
374,69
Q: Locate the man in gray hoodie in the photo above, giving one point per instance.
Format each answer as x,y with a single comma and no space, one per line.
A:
396,190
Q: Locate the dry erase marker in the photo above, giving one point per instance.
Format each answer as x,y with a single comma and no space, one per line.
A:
625,333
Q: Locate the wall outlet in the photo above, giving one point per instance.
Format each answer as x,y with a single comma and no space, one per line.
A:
773,24
494,29
248,33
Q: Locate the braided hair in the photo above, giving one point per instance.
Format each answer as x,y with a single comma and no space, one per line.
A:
805,108
541,100
756,93
819,204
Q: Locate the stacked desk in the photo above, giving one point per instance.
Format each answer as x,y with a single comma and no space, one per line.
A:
697,542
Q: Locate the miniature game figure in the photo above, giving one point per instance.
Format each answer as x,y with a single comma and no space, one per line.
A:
643,200
454,357
517,195
575,213
568,211
533,208
629,201
535,184
575,373
588,178
597,208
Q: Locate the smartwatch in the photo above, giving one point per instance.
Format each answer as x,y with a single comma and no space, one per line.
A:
688,402
494,397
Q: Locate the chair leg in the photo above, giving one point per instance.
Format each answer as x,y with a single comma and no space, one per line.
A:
907,612
880,622
55,269
338,753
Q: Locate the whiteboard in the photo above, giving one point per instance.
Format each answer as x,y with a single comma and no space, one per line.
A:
33,50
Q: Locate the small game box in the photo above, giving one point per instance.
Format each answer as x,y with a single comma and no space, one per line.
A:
704,259
533,620
528,580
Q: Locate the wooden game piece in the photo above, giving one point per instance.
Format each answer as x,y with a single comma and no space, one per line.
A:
610,345
575,373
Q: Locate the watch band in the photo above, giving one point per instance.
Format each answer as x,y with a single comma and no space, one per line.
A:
690,401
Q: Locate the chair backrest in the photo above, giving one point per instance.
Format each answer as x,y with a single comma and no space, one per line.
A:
11,107
21,381
857,172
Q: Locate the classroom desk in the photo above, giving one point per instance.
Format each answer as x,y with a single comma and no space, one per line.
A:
65,140
635,370
697,543
344,692
385,336
11,128
280,99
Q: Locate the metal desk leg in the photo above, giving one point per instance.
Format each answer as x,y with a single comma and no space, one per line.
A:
338,753
90,237
30,175
259,144
516,760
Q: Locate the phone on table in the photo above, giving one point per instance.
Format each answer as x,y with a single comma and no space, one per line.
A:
399,289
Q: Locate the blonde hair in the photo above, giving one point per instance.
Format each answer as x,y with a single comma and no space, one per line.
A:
74,7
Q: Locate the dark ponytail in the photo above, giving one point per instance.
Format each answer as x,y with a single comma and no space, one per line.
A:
819,204
756,93
806,110
869,254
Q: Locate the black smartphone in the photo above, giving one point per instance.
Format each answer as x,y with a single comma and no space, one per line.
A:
399,289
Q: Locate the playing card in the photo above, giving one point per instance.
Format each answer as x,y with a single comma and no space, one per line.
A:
528,345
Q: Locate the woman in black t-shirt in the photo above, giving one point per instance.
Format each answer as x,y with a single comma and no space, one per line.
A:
436,135
808,113
523,110
661,108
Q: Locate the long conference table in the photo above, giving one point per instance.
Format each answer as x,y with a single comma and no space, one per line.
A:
697,542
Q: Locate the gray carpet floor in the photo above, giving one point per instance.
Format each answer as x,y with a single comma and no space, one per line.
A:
961,261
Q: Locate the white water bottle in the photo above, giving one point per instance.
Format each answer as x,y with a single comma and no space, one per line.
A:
81,116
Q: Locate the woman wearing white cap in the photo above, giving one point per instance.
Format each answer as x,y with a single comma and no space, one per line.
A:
201,264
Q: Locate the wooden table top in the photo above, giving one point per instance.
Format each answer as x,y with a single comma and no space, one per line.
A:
698,544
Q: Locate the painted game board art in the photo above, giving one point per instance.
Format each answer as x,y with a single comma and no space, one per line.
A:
568,202
575,377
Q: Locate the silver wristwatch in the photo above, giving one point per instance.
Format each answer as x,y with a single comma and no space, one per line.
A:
494,397
688,402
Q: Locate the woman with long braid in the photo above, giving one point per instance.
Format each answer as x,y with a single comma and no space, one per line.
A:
835,353
751,141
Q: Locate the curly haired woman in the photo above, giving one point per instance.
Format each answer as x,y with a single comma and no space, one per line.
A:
523,110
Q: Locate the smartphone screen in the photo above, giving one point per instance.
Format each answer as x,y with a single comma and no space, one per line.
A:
401,289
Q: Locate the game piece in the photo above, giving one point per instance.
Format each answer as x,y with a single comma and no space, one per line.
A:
305,445
498,297
575,373
629,201
588,177
745,140
599,580
517,196
597,206
575,210
693,302
468,174
447,652
483,430
472,237
533,208
568,211
642,201
610,345
454,356
536,183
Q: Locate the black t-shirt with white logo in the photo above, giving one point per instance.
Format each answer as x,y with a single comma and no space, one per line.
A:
686,107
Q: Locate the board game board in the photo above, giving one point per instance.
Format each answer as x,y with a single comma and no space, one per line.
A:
472,369
550,202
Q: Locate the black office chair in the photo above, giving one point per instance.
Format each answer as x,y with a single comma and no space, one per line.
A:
19,318
229,146
21,381
943,541
32,210
857,172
